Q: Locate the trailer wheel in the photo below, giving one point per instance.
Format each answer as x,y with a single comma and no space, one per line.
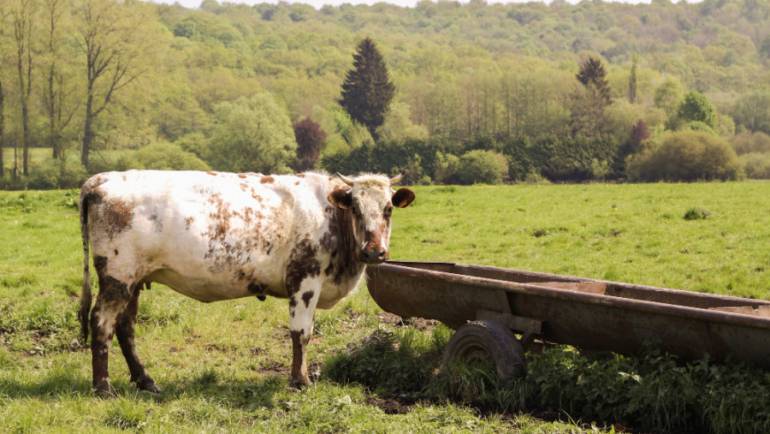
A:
487,341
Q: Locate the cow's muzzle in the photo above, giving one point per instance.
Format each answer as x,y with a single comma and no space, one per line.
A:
374,255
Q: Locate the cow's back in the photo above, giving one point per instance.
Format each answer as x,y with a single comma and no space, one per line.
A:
209,235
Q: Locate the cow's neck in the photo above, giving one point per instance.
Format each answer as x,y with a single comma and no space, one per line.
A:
344,264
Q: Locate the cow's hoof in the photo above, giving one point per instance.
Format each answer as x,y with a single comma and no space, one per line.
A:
300,382
146,384
104,390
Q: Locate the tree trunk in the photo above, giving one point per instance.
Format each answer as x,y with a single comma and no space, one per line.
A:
88,129
51,107
2,131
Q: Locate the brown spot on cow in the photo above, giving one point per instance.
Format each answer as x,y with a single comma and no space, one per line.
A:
242,175
302,264
117,216
306,297
188,222
244,186
266,179
211,173
300,175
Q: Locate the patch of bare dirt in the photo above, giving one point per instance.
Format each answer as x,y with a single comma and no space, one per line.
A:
397,321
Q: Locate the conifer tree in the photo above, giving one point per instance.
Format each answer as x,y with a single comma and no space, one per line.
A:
367,89
632,83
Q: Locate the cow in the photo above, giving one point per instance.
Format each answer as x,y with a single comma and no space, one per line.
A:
219,236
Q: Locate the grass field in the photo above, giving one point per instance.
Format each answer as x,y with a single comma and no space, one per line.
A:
224,366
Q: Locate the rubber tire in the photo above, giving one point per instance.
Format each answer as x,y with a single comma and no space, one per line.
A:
490,340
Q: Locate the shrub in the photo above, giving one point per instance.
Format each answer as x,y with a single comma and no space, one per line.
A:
62,173
447,166
756,165
685,156
414,158
745,143
697,213
162,156
484,167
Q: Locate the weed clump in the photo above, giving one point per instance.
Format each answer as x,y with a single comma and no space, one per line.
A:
655,393
697,214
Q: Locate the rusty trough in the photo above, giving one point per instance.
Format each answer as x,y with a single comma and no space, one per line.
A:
485,304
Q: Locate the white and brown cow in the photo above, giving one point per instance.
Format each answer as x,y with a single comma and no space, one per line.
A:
218,236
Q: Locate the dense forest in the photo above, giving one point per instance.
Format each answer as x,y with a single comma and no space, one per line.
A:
481,92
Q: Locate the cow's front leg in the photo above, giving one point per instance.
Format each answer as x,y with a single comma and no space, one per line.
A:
301,312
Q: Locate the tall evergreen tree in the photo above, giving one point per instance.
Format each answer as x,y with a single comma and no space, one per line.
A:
632,83
593,76
367,89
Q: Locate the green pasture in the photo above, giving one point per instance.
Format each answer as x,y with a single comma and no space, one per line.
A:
224,366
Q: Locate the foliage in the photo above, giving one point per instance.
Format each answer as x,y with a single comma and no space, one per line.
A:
685,156
367,89
593,76
756,165
696,108
482,167
752,111
310,142
163,156
745,143
251,134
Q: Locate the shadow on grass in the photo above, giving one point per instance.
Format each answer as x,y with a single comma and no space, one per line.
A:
242,394
655,393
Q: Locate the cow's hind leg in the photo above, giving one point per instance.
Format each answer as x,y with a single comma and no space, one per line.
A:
114,296
302,311
125,332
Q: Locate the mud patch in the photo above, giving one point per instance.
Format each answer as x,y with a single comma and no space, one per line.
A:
397,321
388,406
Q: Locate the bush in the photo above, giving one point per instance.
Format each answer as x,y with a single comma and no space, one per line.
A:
756,165
685,156
697,213
163,156
745,143
482,167
413,158
447,166
62,173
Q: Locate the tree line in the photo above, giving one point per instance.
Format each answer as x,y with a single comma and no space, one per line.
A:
461,93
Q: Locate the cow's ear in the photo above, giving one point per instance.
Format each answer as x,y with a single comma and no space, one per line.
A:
341,198
403,197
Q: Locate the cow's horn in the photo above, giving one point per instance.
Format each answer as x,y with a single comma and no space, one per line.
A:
345,179
396,179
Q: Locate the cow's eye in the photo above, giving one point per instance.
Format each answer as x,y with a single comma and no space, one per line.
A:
388,211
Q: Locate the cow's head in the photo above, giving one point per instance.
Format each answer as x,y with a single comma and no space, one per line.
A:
370,199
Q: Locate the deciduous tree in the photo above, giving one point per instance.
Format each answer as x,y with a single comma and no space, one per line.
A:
310,141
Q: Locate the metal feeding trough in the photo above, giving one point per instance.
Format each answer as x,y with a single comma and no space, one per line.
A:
485,305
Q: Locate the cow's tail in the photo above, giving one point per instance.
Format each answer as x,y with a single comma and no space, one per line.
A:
85,295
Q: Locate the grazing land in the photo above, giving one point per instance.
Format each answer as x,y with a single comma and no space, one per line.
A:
224,366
